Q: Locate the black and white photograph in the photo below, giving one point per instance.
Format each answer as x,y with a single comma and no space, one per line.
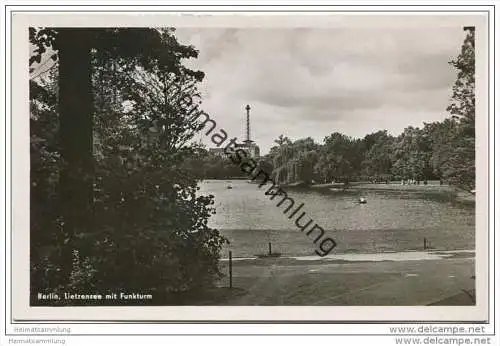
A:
255,165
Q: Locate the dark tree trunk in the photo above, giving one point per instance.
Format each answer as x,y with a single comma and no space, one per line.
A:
75,109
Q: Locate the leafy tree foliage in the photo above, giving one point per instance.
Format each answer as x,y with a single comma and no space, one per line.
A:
377,161
338,157
411,155
142,225
459,167
45,217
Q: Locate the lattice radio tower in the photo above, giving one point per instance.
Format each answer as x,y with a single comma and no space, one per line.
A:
248,140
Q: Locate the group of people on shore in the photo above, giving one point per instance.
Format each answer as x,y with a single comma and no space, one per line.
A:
412,182
416,182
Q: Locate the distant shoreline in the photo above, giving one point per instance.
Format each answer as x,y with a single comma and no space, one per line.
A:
459,195
432,187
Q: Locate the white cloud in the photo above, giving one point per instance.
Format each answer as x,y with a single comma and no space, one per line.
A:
312,82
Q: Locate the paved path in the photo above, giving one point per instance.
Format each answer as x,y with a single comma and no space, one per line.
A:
423,282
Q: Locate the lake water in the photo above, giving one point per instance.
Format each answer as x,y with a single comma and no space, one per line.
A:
391,220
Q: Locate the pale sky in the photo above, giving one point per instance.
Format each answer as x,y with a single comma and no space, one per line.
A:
313,82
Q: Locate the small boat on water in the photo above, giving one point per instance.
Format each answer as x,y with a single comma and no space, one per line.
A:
362,200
